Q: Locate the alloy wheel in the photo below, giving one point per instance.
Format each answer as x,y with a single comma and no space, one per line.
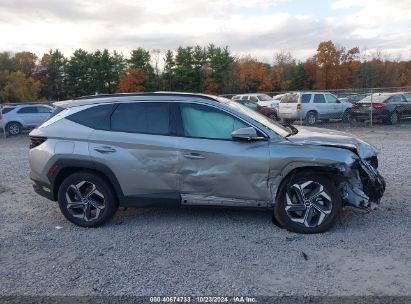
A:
308,204
84,201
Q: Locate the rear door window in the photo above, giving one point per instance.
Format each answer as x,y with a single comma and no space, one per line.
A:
28,110
319,98
142,117
396,98
253,98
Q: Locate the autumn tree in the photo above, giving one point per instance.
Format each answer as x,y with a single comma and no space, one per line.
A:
132,81
25,62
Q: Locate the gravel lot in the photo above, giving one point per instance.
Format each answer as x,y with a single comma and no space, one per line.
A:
200,251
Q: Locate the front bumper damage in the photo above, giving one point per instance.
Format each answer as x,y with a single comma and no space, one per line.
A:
363,186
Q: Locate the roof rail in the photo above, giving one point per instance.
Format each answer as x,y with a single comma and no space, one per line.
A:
143,94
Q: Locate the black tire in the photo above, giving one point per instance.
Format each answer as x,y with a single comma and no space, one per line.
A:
14,128
273,116
394,118
330,209
107,205
346,117
311,118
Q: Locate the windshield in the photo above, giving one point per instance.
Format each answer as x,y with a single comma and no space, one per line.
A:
277,128
264,97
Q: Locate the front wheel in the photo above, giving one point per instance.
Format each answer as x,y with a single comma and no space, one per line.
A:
308,204
86,199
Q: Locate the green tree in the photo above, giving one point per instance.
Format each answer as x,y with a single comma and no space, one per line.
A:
6,62
51,73
184,71
168,73
79,74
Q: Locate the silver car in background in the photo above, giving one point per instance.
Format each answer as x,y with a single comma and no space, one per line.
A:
96,153
310,107
17,117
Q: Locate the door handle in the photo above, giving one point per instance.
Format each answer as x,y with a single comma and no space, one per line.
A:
105,149
194,156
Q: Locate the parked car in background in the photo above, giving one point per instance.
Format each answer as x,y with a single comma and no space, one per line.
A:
263,100
269,112
313,106
353,98
171,149
17,117
386,107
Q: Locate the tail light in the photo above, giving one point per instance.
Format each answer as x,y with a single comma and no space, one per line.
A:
36,141
379,105
298,106
354,106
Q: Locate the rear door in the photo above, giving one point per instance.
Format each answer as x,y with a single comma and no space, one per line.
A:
213,168
28,115
140,149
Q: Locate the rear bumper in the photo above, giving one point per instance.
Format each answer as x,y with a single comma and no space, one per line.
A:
366,115
43,189
296,115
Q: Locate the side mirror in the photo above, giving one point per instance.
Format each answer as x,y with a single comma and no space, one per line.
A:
246,134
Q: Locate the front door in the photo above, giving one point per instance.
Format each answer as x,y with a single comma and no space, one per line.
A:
213,168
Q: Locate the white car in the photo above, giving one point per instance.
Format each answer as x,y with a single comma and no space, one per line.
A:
16,117
313,106
263,100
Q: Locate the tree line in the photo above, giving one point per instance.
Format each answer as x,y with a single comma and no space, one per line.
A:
215,70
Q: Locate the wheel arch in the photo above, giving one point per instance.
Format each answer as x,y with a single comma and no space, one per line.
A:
323,170
66,167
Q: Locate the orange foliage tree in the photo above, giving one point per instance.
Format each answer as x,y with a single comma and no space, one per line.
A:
132,81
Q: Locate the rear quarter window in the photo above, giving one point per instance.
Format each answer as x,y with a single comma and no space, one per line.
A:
97,117
7,110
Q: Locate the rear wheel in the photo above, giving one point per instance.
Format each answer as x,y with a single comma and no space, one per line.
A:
14,128
311,118
86,199
308,204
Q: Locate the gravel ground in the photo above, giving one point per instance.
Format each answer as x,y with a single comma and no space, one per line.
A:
203,251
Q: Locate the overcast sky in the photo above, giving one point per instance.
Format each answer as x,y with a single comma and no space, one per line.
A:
256,27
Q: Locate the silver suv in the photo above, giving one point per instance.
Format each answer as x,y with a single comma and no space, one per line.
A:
16,117
170,149
313,106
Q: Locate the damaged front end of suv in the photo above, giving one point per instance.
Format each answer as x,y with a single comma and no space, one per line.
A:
359,182
363,186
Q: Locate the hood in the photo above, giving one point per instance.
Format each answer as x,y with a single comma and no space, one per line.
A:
326,137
